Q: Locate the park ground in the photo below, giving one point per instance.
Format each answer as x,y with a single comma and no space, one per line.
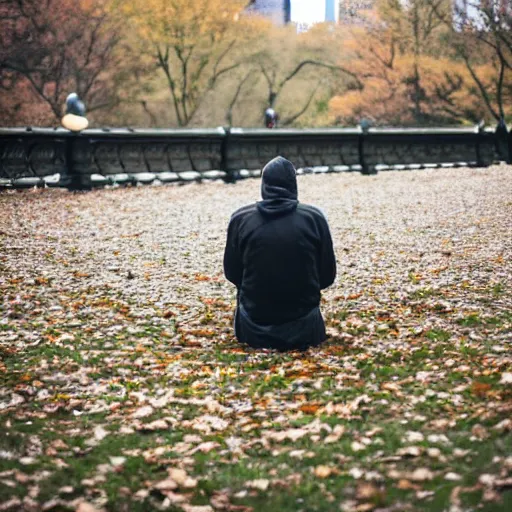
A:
122,387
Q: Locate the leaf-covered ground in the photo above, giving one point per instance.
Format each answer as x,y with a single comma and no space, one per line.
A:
123,389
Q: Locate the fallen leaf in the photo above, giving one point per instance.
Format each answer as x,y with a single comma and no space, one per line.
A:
87,507
414,437
166,485
143,412
181,478
410,451
260,484
506,378
117,461
196,508
356,446
322,471
479,431
205,447
480,388
406,485
154,425
452,477
367,492
421,475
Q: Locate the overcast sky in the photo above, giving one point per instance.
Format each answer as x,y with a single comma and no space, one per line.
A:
313,11
308,11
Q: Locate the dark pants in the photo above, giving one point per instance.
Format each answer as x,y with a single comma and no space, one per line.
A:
307,331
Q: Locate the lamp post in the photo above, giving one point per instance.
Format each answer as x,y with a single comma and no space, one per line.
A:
75,121
503,139
364,128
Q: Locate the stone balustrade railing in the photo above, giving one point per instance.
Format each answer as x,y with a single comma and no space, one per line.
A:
56,157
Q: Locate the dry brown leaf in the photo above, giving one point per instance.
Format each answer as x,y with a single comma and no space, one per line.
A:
205,447
480,431
323,471
59,444
506,378
166,485
196,508
181,478
154,425
260,484
117,461
310,409
410,451
367,491
452,477
406,485
421,475
393,387
143,412
356,446
480,388
87,507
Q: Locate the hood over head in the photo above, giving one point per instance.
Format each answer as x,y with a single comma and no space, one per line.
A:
278,188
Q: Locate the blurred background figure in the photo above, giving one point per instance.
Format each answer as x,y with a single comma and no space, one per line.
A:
271,118
502,141
365,124
74,119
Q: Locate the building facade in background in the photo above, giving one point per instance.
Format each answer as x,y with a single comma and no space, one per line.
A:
278,11
332,10
356,12
303,13
470,11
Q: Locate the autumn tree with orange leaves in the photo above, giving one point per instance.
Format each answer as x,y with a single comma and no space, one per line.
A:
49,49
193,44
481,38
309,61
408,73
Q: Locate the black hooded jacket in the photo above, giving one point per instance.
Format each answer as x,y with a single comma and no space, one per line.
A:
279,252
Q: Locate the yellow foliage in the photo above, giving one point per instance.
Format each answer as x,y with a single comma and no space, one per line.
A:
182,22
387,97
408,75
193,44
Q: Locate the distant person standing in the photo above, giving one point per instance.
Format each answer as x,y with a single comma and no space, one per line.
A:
502,140
271,118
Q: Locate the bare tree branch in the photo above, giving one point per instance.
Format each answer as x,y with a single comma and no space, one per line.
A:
309,62
229,112
293,118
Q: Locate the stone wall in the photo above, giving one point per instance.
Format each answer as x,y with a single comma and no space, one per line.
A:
251,149
171,155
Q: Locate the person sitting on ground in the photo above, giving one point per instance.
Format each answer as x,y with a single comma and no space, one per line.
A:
279,255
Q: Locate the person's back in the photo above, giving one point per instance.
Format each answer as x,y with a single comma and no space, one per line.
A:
279,255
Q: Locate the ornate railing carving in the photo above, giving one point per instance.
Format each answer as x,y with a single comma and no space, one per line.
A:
57,157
